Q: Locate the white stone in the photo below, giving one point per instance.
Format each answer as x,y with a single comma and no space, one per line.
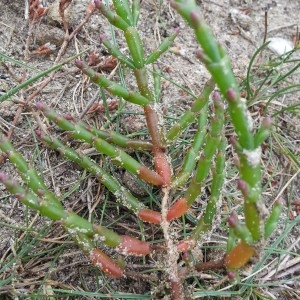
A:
280,46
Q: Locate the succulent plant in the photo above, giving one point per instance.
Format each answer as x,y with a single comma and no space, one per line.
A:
206,154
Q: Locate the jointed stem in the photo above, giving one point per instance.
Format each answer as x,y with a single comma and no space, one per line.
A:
212,142
73,222
190,159
163,47
86,163
243,238
122,195
118,156
118,139
111,86
247,145
206,221
188,117
97,257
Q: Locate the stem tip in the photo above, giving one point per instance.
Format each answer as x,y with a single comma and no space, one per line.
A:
232,220
231,94
3,176
231,276
97,3
78,63
40,105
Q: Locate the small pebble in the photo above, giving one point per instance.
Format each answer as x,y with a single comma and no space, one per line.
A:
280,46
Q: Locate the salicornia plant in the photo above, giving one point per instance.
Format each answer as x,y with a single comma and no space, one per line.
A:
205,157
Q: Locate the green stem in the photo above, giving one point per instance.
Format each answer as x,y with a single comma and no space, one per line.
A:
74,223
111,86
205,222
142,82
190,159
113,18
118,156
218,64
189,117
115,51
30,176
123,10
162,48
212,142
273,218
135,11
86,163
217,184
241,231
135,46
44,204
118,139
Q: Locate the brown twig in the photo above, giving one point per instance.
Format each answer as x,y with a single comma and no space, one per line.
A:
11,73
203,267
63,5
266,26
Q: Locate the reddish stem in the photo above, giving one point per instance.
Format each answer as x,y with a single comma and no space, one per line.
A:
239,256
150,176
152,124
186,245
150,216
133,246
105,264
203,267
161,163
178,209
176,288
